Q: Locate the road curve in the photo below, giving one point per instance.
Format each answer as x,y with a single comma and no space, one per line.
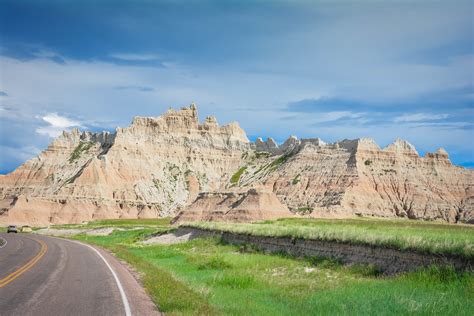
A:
42,275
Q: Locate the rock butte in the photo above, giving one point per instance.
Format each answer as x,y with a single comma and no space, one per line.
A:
172,164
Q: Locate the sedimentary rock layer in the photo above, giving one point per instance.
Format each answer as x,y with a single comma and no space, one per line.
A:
250,206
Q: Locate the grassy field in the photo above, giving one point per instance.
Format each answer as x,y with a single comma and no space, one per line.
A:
205,277
399,234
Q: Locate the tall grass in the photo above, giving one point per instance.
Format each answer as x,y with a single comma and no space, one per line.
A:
403,235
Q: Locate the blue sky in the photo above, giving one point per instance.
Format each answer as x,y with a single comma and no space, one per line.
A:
328,69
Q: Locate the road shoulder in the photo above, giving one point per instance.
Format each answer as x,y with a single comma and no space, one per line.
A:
140,302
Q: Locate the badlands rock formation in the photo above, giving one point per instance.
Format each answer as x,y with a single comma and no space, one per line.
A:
158,166
357,177
253,205
148,169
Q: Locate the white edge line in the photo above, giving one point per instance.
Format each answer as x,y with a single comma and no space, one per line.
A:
119,285
6,242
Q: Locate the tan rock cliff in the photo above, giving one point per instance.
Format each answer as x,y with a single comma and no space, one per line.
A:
356,177
149,169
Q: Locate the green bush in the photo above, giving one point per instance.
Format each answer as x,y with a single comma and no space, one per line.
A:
214,263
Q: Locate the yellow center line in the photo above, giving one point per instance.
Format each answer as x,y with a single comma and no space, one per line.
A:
12,276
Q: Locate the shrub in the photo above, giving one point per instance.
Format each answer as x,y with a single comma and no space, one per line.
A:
296,179
214,263
262,154
304,210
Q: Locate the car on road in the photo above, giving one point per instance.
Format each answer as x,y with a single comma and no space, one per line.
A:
12,229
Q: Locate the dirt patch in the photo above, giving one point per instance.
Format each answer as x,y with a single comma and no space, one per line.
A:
59,232
101,231
174,237
76,231
389,261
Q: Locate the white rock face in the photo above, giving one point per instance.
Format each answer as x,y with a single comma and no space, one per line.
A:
159,165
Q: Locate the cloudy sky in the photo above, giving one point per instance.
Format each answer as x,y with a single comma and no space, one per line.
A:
329,69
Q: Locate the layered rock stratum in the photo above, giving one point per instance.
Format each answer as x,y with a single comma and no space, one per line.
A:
237,207
172,164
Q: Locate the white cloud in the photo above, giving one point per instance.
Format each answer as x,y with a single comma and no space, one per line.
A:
57,124
446,125
135,57
336,115
420,117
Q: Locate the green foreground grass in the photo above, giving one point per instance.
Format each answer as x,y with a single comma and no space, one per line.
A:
428,237
206,277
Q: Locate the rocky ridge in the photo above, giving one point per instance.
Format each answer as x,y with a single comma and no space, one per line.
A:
149,169
357,177
159,166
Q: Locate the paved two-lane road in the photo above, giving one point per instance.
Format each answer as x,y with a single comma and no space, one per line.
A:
50,276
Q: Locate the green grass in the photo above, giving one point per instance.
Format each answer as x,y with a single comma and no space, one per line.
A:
236,176
400,234
279,161
82,147
206,277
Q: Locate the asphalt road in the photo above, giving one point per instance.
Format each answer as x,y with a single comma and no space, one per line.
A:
42,275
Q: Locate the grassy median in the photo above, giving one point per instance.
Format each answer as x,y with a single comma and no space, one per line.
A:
206,277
